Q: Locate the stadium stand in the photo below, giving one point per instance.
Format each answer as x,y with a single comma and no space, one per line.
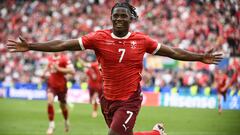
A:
189,24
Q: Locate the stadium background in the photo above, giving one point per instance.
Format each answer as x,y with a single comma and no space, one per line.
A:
195,25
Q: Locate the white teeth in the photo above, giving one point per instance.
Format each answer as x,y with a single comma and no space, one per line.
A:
119,25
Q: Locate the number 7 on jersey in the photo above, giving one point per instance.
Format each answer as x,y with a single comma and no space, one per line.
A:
123,52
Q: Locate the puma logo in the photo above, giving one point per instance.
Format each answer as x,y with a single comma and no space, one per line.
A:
125,127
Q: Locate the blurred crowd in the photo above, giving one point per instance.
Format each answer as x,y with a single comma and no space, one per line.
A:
195,25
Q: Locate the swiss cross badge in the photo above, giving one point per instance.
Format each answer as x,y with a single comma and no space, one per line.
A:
133,44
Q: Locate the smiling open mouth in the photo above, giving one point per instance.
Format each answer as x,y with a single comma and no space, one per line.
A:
119,24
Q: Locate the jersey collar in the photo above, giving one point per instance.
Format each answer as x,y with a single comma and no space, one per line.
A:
125,37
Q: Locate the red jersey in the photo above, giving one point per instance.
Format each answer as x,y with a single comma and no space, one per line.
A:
94,77
57,80
120,60
221,81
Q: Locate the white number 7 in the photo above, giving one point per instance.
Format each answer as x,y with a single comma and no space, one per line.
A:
129,117
123,52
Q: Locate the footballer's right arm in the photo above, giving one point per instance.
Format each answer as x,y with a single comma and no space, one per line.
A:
56,46
50,46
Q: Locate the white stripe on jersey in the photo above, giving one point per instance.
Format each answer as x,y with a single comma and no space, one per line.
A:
158,47
81,43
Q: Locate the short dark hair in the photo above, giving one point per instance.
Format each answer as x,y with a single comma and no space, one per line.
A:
128,6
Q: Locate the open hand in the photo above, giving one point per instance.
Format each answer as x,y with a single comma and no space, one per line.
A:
211,57
14,46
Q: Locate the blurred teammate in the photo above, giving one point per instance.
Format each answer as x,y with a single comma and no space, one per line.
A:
235,79
94,84
221,80
58,67
120,54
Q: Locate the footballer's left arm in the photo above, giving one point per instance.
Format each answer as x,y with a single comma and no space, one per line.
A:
209,57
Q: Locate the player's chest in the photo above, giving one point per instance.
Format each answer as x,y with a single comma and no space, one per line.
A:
58,62
121,50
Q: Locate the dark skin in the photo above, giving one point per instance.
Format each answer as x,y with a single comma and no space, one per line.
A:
121,20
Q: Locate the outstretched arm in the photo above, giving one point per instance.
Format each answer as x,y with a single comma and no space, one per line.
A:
50,46
209,57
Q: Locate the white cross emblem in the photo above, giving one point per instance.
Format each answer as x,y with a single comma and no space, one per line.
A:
133,44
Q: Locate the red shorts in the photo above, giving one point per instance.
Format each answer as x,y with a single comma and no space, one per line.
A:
120,116
61,85
95,90
220,91
60,94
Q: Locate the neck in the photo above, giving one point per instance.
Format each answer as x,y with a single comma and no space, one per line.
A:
120,33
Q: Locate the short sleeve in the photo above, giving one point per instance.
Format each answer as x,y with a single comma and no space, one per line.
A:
87,41
151,45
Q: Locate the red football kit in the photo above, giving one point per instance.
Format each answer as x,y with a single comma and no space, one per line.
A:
221,83
94,80
94,77
121,60
56,80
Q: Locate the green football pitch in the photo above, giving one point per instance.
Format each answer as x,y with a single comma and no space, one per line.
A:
24,117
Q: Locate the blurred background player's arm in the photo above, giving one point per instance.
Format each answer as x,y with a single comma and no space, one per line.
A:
179,54
85,64
69,69
50,46
87,67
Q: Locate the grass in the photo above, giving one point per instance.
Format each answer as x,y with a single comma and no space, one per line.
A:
24,117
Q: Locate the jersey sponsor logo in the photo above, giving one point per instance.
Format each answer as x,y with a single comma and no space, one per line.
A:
133,44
